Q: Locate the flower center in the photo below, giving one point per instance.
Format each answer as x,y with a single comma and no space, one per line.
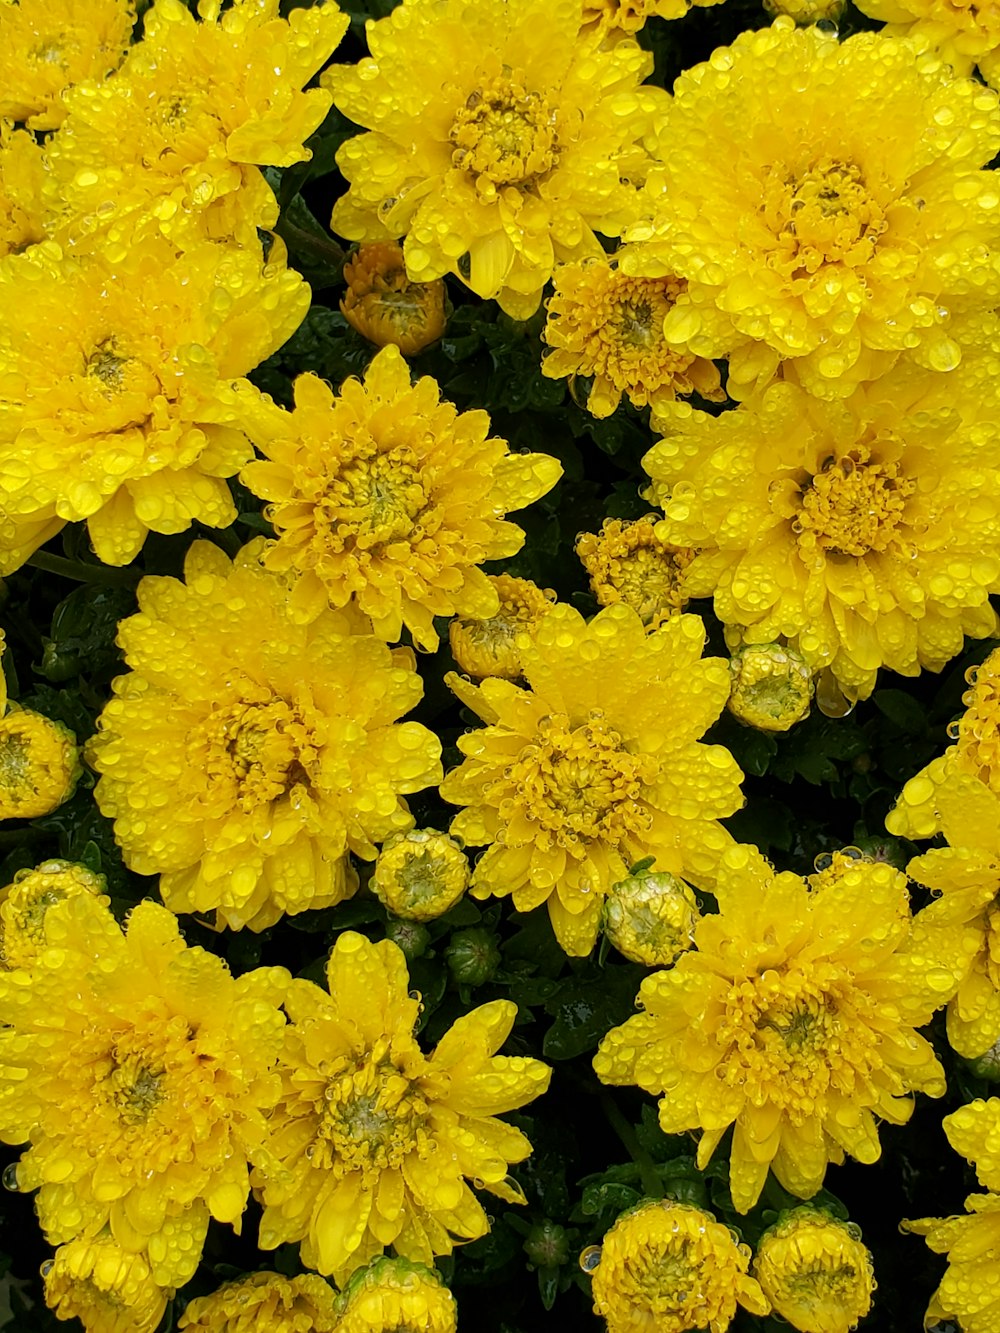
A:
853,506
15,763
505,135
106,364
579,785
373,1119
375,499
823,216
253,753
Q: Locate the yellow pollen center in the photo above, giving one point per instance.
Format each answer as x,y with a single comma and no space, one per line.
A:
253,753
825,215
375,499
373,1118
853,506
505,135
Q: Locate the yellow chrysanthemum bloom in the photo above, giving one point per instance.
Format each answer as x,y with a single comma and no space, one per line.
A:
245,754
21,175
488,647
627,562
139,1070
608,326
966,35
3,676
826,202
388,498
47,46
968,1293
393,1295
816,1271
595,766
372,1140
174,140
772,686
864,533
420,875
671,1267
384,306
121,404
501,141
39,764
650,917
793,1021
103,1286
24,903
612,17
267,1302
974,1132
976,751
967,874
807,11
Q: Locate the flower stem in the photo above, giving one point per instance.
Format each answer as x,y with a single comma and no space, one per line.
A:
76,569
652,1185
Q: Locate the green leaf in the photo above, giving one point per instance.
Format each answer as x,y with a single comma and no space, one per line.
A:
586,1007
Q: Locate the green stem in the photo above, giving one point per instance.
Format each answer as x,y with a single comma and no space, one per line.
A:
76,569
301,241
652,1185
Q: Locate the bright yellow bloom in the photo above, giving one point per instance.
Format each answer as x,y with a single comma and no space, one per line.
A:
816,1271
976,751
21,176
173,141
974,1132
245,754
420,875
393,1295
671,1267
826,203
966,35
372,1141
772,687
968,1294
140,1071
794,1021
267,1302
385,307
595,766
611,17
608,326
502,140
627,562
108,1289
120,402
864,533
47,46
488,647
39,764
24,903
650,918
967,874
808,11
388,498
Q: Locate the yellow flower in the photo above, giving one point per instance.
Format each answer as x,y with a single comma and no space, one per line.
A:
976,751
608,326
808,11
47,46
862,533
388,498
420,875
772,687
39,764
108,1289
268,1302
120,404
611,17
24,903
245,755
385,307
488,647
173,141
627,562
595,766
974,1132
392,1295
671,1267
501,140
826,203
139,1070
794,1021
967,874
965,35
372,1141
650,917
816,1271
968,1292
21,177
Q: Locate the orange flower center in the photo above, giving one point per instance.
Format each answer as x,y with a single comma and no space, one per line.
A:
505,134
853,506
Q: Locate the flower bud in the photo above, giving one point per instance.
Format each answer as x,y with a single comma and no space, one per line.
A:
473,956
103,1286
39,764
771,686
650,918
489,647
24,903
628,563
420,875
815,1271
384,306
392,1294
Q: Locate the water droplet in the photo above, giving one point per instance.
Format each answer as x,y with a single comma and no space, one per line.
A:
590,1258
9,1177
